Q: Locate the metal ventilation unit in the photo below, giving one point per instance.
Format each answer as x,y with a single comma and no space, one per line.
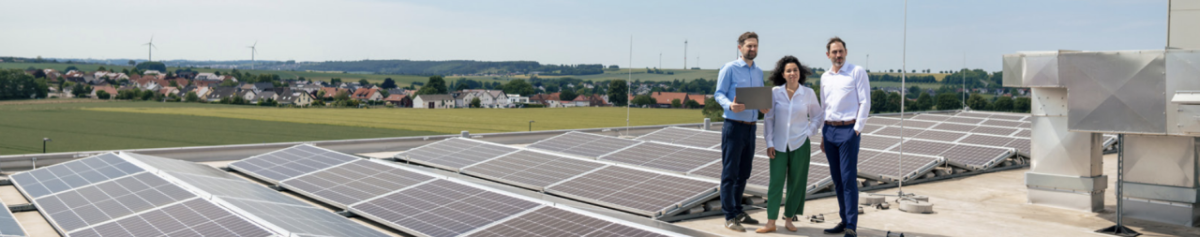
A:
1151,97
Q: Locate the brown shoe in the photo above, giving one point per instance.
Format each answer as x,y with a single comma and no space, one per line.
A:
766,229
790,227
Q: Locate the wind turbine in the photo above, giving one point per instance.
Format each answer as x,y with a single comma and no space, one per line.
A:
149,49
252,51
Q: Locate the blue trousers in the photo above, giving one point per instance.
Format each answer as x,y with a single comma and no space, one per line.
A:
841,148
737,157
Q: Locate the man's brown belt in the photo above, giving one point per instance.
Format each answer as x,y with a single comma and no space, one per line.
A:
840,123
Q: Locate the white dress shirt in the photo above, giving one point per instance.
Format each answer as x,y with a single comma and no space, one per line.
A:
847,95
793,120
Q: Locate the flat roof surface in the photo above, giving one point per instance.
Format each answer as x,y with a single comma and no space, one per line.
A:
991,204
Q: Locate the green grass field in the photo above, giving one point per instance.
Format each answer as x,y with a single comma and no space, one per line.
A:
83,125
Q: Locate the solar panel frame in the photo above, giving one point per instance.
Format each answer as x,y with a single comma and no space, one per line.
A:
976,157
305,159
429,209
583,144
884,166
8,223
72,174
301,220
520,168
548,221
92,205
684,136
621,187
663,156
203,217
354,182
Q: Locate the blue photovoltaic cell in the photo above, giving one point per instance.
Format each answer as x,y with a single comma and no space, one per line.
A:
8,224
106,201
73,174
291,162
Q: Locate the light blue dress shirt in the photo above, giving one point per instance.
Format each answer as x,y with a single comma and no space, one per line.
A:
733,75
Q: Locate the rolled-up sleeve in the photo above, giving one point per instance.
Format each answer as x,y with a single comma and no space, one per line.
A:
724,82
816,115
769,125
864,98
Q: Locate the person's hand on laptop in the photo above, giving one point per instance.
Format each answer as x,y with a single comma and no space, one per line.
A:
735,106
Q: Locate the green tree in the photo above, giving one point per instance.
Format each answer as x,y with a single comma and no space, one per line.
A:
518,86
192,97
475,103
81,91
618,92
893,102
131,63
436,85
364,82
691,104
977,102
103,95
948,101
567,95
712,110
675,103
879,101
1003,103
388,83
152,66
1021,105
642,100
924,102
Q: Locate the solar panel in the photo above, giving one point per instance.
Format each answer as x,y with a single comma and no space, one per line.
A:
973,115
238,188
280,165
354,182
915,124
531,169
895,131
73,174
1024,133
955,127
876,142
684,136
975,157
923,147
553,222
441,208
1021,144
8,224
302,220
940,135
664,156
994,130
987,140
964,120
931,117
95,204
882,121
179,166
633,190
1007,117
889,165
818,177
583,144
455,153
1002,123
195,217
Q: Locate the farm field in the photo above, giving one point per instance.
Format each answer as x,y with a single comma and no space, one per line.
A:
84,125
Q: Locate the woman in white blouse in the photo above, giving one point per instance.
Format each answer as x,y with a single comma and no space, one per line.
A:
795,115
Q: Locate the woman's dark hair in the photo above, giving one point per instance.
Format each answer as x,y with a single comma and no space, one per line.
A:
777,74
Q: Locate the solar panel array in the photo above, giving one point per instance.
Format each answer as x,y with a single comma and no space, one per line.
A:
403,199
583,144
455,153
684,136
553,222
531,169
8,224
113,196
288,163
633,190
964,141
663,156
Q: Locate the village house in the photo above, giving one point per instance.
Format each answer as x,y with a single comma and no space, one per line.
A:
437,101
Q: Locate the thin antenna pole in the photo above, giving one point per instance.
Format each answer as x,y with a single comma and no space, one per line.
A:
903,78
629,86
964,80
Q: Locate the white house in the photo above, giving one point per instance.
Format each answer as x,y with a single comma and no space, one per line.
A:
516,98
433,101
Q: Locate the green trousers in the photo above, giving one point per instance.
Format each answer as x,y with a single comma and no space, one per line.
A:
788,169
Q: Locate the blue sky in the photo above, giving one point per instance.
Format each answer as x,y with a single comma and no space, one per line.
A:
940,32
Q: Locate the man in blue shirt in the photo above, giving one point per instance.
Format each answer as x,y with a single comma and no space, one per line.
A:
738,133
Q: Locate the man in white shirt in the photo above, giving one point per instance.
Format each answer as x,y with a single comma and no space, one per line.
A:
846,94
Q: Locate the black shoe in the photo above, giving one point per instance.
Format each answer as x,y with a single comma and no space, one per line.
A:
841,227
732,224
743,218
850,233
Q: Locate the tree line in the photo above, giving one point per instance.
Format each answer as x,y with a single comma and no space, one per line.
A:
410,67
